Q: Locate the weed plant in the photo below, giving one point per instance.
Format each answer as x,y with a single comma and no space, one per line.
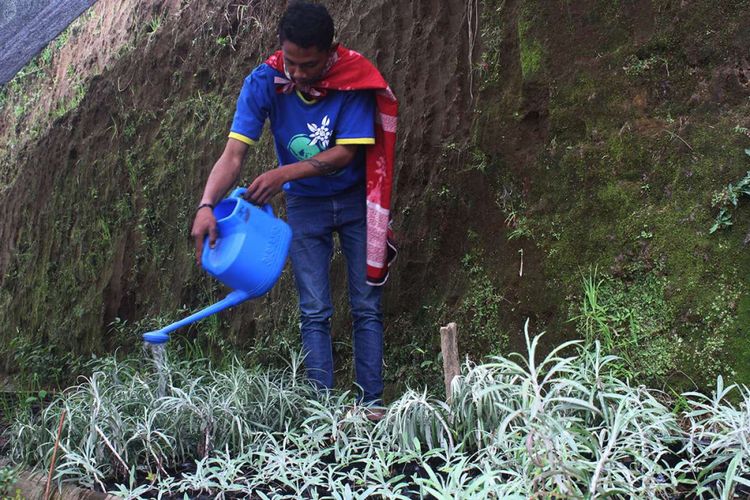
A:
728,198
519,427
8,478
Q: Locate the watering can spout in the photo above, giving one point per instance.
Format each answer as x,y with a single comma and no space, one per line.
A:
232,299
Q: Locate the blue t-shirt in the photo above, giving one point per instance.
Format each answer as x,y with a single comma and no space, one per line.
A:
303,128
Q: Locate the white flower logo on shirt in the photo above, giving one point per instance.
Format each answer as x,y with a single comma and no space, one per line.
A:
320,134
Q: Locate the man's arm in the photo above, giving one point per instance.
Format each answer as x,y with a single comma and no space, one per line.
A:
267,185
225,172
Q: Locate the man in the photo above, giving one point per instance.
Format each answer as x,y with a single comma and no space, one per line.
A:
321,100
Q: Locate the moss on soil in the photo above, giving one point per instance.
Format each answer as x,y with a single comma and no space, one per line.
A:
623,165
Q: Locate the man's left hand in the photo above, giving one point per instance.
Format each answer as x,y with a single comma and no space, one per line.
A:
265,187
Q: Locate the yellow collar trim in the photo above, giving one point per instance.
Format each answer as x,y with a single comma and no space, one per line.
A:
306,101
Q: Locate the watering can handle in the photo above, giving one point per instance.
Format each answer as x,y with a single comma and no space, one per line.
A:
238,192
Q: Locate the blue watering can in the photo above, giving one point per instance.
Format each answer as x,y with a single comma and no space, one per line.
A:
248,257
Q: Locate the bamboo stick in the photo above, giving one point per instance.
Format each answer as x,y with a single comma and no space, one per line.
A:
54,455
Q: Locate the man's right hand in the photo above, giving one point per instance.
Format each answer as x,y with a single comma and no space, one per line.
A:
203,224
225,172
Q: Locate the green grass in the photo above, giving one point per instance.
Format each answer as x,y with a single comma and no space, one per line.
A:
633,321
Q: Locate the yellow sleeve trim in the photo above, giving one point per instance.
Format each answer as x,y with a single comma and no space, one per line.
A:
241,138
362,140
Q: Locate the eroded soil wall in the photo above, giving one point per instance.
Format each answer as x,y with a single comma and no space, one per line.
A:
539,143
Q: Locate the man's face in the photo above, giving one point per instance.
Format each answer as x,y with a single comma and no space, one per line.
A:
304,65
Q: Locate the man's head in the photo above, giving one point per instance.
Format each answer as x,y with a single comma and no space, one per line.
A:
306,38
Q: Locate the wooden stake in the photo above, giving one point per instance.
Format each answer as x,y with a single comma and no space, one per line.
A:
54,455
449,347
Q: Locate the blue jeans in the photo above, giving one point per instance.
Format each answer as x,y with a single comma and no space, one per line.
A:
313,222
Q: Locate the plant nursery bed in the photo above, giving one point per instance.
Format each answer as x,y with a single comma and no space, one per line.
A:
516,428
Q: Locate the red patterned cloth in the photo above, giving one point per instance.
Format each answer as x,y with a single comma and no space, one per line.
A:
350,70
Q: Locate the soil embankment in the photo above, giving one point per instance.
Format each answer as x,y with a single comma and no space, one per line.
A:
107,243
538,142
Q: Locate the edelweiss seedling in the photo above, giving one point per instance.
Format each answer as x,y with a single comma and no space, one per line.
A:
517,427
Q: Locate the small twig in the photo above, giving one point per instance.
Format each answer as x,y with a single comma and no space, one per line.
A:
54,455
520,270
472,23
121,90
680,138
111,448
160,465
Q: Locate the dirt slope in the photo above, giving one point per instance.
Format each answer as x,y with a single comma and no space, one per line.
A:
121,172
538,141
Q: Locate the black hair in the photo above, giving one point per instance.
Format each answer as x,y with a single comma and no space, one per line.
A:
307,25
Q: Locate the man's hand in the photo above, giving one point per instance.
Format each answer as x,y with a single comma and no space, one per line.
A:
266,186
223,175
203,224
